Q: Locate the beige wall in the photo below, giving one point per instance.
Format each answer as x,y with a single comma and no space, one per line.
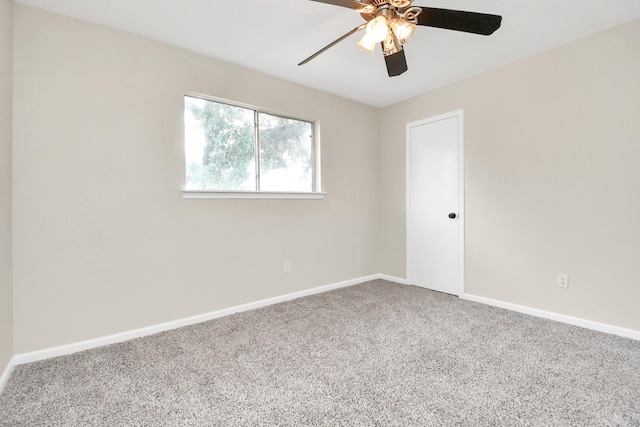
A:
552,178
6,73
104,241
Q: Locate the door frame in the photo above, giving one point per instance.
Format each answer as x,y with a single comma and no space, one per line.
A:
461,212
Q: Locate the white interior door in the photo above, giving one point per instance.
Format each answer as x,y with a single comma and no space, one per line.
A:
435,229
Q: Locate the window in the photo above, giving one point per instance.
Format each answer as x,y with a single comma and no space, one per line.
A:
236,149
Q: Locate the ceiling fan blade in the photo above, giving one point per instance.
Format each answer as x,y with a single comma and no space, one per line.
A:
333,43
351,4
468,22
396,63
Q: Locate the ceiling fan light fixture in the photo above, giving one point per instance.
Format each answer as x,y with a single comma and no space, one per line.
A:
367,44
377,29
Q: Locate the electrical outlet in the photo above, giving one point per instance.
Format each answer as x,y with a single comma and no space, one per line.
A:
287,267
563,281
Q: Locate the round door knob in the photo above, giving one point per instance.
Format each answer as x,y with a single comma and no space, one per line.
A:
452,215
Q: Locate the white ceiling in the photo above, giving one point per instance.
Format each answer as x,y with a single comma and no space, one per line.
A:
274,36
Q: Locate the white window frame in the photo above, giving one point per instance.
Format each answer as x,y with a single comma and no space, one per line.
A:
315,153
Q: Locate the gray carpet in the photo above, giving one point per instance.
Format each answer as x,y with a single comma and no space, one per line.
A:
376,354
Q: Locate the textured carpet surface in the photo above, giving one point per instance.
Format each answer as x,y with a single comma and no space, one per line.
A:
376,354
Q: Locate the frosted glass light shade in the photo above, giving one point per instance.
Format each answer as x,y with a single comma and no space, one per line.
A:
367,44
377,29
403,30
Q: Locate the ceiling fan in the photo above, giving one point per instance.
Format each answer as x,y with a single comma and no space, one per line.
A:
392,23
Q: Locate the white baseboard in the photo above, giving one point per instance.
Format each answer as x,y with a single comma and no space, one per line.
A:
588,324
62,350
392,279
7,372
66,349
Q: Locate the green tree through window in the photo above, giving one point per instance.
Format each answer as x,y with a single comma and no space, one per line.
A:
222,143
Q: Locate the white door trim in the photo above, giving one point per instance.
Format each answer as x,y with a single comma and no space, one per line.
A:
461,214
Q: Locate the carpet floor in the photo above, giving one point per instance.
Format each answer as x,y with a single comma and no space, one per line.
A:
375,354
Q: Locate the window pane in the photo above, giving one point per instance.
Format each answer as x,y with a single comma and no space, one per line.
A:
219,146
286,154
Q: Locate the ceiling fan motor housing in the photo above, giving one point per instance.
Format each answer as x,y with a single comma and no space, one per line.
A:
391,9
400,4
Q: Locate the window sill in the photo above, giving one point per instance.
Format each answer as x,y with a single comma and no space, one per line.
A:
196,194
